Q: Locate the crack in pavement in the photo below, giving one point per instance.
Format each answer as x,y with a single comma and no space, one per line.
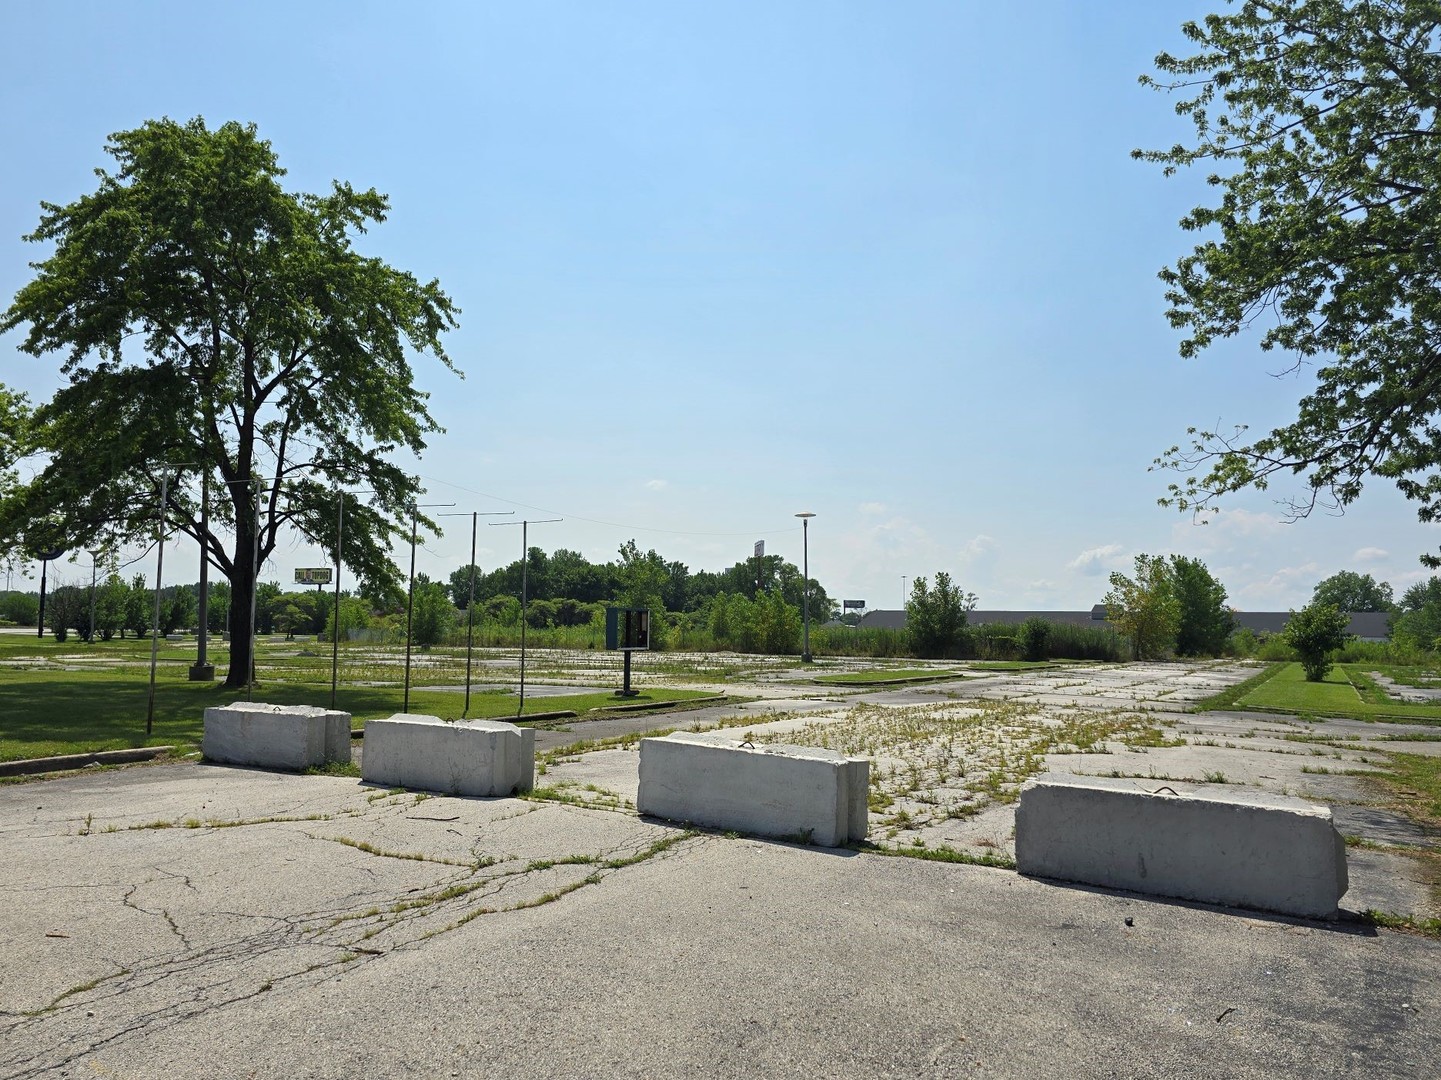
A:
265,953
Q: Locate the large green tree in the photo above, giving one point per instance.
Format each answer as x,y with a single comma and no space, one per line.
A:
1145,609
936,617
1419,622
1316,122
1206,621
207,316
13,419
1350,591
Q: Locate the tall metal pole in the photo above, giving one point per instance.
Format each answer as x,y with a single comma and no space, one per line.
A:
40,632
335,625
254,593
470,598
470,612
410,598
93,557
409,609
155,626
524,593
805,517
203,671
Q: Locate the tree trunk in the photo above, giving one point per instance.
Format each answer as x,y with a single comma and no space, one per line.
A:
242,592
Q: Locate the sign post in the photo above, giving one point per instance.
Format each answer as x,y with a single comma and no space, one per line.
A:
627,629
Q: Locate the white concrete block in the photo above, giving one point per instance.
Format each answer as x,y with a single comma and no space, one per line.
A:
464,757
769,790
275,736
1218,845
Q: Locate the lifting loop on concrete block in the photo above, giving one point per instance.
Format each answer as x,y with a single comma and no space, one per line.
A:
1163,787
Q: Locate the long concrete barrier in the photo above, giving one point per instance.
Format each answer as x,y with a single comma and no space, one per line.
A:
792,792
1218,845
463,757
275,736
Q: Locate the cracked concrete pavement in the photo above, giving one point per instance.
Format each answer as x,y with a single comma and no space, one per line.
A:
196,920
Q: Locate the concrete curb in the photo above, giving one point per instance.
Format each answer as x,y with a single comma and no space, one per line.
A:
64,762
920,680
649,706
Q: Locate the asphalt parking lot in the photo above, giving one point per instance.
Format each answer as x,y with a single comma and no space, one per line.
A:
199,920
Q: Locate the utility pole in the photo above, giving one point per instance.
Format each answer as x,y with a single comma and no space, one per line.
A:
524,591
155,625
470,598
410,597
203,670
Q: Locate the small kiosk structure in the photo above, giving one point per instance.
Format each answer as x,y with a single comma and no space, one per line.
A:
627,629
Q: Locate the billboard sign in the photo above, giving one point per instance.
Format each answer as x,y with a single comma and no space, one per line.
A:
316,575
848,604
760,549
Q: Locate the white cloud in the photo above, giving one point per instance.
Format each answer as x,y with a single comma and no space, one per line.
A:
656,485
977,546
1098,560
1227,531
1371,555
872,509
1288,587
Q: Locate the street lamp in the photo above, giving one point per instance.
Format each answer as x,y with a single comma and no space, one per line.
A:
805,516
524,591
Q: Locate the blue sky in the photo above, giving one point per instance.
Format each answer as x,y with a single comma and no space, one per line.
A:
889,263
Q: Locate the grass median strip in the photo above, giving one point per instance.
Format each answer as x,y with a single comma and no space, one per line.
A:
1345,693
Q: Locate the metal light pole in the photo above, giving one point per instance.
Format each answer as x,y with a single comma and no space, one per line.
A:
203,670
155,626
94,558
45,559
410,597
254,593
524,591
805,516
335,623
335,627
903,592
470,598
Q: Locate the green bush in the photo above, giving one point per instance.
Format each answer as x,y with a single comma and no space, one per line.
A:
20,608
1272,647
1399,652
856,641
1243,643
1316,632
1035,635
1071,642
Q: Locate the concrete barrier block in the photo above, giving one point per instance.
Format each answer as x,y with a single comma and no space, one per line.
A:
1218,845
275,736
769,790
464,757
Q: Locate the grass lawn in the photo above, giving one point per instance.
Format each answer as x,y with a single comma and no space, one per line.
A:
1415,781
1288,691
862,678
100,702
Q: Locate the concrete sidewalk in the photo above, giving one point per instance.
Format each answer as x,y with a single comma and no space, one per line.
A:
201,921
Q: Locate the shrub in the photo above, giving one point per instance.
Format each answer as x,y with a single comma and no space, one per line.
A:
1034,636
1071,642
1274,647
1315,632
